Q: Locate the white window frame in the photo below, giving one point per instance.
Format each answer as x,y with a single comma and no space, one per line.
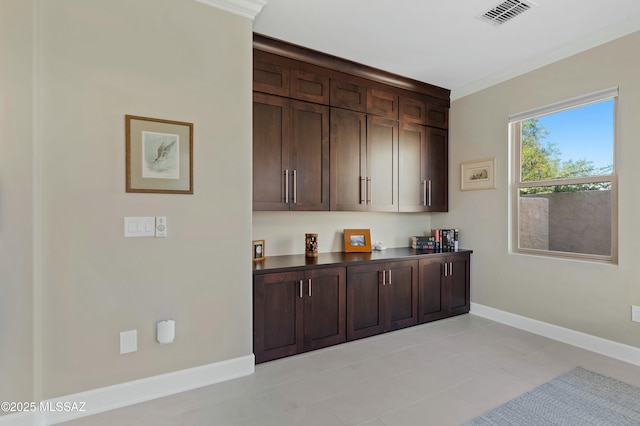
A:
515,144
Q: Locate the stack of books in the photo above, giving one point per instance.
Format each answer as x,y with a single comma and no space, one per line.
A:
424,243
448,238
439,239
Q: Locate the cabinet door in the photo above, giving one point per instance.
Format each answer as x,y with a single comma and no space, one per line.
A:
309,157
437,116
413,110
444,284
310,87
382,165
382,103
421,110
458,283
365,305
437,170
270,74
271,121
348,160
401,294
432,293
349,95
277,315
412,183
324,307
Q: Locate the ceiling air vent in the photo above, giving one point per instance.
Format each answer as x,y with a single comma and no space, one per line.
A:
505,11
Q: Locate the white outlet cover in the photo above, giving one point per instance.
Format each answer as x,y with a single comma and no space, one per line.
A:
635,313
128,341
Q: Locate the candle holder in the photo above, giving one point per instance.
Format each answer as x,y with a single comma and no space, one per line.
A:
311,245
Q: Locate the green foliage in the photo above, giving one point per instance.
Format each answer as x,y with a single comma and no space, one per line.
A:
541,161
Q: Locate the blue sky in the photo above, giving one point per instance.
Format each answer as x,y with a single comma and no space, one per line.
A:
583,133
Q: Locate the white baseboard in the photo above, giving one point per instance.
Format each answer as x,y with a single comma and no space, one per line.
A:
108,398
620,351
21,419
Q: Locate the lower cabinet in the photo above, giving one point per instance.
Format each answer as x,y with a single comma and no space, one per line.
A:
310,307
381,297
298,311
444,286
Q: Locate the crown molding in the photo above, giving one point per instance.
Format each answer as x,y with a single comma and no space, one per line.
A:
247,8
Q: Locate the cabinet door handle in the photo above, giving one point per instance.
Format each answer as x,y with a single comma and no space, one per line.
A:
369,190
286,186
424,192
295,186
450,268
429,202
309,287
389,277
384,277
363,191
445,270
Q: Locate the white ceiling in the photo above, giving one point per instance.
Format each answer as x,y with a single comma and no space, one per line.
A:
442,42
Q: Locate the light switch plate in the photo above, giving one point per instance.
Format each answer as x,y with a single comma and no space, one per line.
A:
161,226
139,226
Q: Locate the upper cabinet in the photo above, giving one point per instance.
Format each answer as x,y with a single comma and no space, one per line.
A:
271,74
290,154
329,134
423,160
417,109
348,95
383,103
276,75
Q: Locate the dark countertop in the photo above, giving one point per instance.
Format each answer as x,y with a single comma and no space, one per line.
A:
299,261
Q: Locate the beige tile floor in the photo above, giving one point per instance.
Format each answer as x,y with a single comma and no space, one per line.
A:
441,373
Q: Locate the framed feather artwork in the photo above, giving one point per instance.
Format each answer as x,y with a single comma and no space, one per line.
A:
159,155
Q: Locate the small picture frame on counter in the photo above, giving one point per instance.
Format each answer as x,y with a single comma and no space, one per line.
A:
258,250
357,241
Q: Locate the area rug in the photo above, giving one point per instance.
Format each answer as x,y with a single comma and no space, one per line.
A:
579,397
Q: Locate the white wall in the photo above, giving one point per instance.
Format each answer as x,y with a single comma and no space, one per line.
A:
594,298
95,62
283,232
16,201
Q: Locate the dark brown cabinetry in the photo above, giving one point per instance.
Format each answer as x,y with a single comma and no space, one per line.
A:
381,183
270,74
280,76
419,110
413,186
436,170
290,154
364,165
302,304
382,103
348,95
444,286
298,311
368,107
423,183
348,146
381,297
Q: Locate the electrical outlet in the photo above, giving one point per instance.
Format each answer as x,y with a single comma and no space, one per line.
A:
635,313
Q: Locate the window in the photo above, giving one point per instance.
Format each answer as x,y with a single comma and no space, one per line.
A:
564,198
